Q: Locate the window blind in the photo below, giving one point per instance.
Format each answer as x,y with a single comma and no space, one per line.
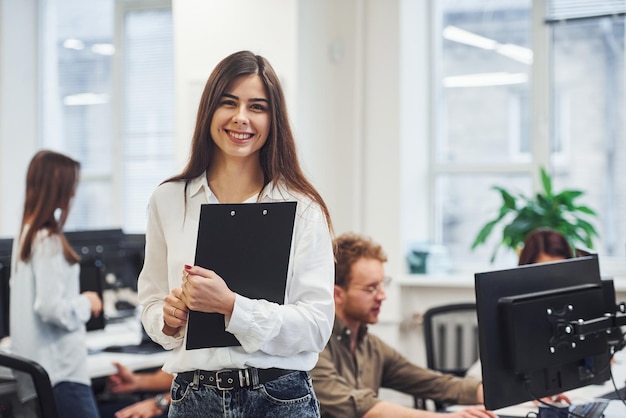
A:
583,9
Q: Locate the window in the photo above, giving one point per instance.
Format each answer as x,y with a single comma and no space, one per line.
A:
107,87
587,73
484,97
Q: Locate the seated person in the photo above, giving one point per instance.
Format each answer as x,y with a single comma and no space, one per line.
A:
127,381
355,364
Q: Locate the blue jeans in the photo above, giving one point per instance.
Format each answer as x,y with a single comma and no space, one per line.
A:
290,396
75,400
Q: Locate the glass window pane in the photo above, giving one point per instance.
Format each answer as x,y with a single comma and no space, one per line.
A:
466,202
148,138
91,209
77,111
589,144
484,62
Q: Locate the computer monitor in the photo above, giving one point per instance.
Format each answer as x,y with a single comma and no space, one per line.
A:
92,279
132,254
528,346
5,292
97,243
120,254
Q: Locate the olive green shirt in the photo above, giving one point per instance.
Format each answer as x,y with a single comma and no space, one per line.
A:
347,385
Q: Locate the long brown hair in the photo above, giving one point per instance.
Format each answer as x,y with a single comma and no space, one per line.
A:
278,157
51,181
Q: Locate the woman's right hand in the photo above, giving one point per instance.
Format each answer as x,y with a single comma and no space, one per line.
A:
175,312
94,301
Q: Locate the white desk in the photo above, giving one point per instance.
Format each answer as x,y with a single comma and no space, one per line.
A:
101,364
616,408
124,333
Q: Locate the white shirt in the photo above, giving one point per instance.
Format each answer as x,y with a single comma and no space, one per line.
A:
48,314
288,336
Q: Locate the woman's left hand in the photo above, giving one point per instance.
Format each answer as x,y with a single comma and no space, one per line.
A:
205,291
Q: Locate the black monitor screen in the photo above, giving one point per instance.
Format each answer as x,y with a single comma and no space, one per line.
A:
91,279
130,263
120,254
526,349
5,293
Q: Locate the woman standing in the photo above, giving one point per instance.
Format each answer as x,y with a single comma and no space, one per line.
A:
48,314
243,151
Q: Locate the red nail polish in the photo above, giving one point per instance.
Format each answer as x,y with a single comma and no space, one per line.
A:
187,267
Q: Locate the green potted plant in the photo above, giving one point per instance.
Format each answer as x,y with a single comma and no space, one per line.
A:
521,214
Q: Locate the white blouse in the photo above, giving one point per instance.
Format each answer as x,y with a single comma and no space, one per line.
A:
48,314
288,336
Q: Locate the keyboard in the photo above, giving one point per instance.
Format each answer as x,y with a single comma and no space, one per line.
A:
593,409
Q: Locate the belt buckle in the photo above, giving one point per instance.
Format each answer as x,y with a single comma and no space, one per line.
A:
230,380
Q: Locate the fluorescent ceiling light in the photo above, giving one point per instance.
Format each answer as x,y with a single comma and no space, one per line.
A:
453,33
103,49
515,52
71,43
485,80
84,99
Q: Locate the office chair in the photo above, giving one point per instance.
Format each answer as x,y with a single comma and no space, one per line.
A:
451,338
20,379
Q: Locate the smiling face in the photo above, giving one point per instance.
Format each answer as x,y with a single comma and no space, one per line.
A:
357,304
241,123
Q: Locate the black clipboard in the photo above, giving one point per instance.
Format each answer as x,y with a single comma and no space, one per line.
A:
248,245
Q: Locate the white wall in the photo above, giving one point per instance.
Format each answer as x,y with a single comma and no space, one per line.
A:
18,106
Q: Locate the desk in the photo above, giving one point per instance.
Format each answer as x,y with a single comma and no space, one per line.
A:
616,408
101,364
128,332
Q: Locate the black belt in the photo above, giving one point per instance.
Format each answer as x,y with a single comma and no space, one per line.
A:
228,379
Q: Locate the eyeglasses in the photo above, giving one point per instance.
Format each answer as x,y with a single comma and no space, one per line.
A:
374,288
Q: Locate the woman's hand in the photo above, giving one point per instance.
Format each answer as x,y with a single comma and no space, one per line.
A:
94,301
203,290
175,312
